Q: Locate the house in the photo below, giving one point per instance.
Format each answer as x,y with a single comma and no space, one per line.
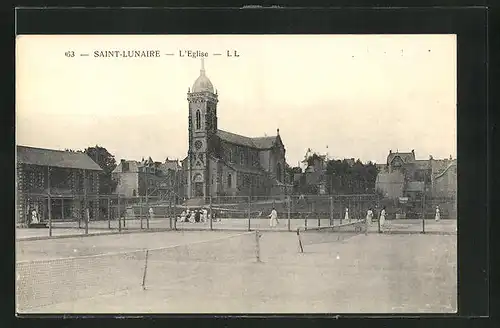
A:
70,178
148,178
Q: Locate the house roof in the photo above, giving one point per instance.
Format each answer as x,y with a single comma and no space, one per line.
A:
405,157
415,186
422,164
55,158
170,165
257,143
133,167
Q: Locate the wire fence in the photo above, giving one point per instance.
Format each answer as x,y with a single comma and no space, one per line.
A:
101,213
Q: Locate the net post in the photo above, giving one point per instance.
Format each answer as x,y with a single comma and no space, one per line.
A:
210,213
145,270
257,245
119,211
49,204
109,212
249,208
289,211
300,241
305,221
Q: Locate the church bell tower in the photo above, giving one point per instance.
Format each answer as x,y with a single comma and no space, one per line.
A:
202,128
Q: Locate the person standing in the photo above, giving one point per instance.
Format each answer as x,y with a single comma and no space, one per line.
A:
151,213
382,217
34,217
346,215
273,218
438,214
369,216
204,217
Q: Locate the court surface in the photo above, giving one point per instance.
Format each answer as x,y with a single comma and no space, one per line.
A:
374,273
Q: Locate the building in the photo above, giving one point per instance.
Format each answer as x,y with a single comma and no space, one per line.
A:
221,163
405,176
148,178
69,177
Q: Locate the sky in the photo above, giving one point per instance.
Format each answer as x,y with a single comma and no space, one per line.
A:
351,96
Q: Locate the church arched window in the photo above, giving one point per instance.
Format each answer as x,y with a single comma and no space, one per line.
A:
278,172
198,120
229,180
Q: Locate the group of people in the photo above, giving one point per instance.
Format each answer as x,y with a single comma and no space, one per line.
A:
196,216
369,215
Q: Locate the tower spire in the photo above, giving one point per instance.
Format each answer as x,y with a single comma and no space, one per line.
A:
202,70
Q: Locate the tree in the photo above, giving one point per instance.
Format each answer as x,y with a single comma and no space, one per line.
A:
107,162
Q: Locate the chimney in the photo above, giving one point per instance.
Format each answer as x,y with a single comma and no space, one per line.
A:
390,151
413,152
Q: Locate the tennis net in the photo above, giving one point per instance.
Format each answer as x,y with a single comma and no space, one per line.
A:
330,234
45,282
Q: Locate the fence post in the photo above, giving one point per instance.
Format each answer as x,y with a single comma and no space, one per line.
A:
378,223
87,218
119,215
249,208
423,212
49,204
289,212
109,212
148,217
305,221
210,213
140,210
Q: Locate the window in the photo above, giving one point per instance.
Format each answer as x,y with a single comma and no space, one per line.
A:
230,155
198,120
242,158
229,180
278,172
125,167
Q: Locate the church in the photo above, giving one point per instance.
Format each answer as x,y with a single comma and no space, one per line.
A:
221,163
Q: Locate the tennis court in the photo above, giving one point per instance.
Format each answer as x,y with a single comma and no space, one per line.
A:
218,272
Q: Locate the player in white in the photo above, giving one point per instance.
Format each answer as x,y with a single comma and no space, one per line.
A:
151,213
34,217
382,217
369,217
204,216
273,218
183,216
346,216
438,214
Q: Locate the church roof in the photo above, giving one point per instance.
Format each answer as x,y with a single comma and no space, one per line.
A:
257,143
55,158
202,83
264,142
